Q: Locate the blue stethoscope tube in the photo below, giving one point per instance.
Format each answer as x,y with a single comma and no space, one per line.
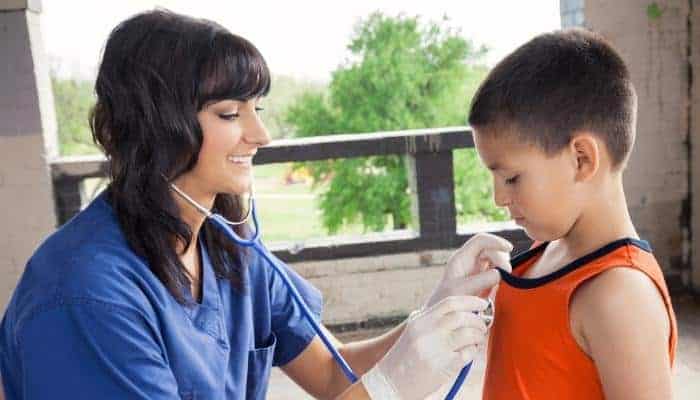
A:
254,242
459,381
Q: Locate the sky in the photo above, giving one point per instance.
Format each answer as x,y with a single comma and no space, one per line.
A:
304,39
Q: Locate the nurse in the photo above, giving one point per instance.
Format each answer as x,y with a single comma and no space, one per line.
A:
138,298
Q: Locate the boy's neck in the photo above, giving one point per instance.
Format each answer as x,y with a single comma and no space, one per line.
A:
605,219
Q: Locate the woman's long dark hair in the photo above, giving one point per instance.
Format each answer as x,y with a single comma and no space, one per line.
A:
157,71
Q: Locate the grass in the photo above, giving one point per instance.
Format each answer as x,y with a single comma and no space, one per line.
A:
289,211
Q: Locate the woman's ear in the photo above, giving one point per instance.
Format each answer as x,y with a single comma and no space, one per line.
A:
586,152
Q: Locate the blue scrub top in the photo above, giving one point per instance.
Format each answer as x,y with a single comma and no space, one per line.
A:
89,320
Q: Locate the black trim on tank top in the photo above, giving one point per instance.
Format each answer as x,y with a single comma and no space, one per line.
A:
531,283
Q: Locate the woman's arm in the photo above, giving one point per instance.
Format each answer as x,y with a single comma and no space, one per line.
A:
624,326
328,380
468,272
434,345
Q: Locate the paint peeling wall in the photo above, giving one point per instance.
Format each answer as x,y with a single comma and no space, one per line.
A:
653,39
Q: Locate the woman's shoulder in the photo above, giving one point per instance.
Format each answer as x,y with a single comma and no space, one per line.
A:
87,259
95,225
90,246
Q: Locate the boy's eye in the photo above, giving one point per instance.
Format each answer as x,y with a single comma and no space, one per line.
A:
229,117
510,181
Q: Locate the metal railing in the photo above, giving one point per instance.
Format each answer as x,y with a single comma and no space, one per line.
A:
430,156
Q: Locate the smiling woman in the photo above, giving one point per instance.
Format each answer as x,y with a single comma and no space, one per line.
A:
171,113
226,154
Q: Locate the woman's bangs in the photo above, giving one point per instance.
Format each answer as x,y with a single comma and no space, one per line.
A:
236,71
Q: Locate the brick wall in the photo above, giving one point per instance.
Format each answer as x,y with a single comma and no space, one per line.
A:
694,129
361,289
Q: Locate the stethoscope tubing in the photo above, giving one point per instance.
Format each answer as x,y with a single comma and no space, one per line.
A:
257,245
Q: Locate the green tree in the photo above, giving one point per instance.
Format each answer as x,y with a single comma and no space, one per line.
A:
73,100
284,90
401,74
473,185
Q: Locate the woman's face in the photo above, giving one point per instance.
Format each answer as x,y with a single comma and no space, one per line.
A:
232,132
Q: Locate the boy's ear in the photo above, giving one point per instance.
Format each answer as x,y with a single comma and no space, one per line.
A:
585,152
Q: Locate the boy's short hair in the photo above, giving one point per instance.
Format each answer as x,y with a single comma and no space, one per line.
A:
555,85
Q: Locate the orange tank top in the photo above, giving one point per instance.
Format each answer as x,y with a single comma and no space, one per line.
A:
532,353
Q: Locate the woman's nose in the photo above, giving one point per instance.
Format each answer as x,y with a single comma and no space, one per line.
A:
256,133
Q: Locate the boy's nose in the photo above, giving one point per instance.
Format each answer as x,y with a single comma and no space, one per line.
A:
500,196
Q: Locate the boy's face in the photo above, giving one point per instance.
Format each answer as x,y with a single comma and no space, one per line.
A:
539,191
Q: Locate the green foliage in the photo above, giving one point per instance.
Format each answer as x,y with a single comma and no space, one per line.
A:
283,92
474,190
72,100
654,11
401,74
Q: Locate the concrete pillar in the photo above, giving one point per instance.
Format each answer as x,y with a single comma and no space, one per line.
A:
27,140
653,38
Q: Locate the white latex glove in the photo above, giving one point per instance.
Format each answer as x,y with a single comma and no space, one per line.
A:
470,270
433,348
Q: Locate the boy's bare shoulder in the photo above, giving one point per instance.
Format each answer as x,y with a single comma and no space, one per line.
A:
618,304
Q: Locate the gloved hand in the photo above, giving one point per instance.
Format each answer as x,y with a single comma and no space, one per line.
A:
434,346
470,269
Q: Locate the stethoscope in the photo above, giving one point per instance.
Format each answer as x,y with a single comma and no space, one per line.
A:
224,225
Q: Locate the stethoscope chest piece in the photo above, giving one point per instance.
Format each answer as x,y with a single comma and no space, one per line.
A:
488,313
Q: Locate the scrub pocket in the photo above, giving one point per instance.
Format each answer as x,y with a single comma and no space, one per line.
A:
187,395
259,366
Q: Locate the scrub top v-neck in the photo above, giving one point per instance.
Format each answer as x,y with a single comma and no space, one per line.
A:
90,320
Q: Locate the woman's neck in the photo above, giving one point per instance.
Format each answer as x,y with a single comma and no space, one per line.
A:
189,255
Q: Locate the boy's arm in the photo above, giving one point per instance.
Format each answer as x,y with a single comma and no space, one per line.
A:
623,324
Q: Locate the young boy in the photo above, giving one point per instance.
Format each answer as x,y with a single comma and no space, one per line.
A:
586,313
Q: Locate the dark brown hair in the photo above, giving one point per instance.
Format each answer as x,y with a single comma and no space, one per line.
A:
157,71
556,85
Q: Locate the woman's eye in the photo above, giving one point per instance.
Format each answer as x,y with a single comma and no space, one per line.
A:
512,180
258,109
229,117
